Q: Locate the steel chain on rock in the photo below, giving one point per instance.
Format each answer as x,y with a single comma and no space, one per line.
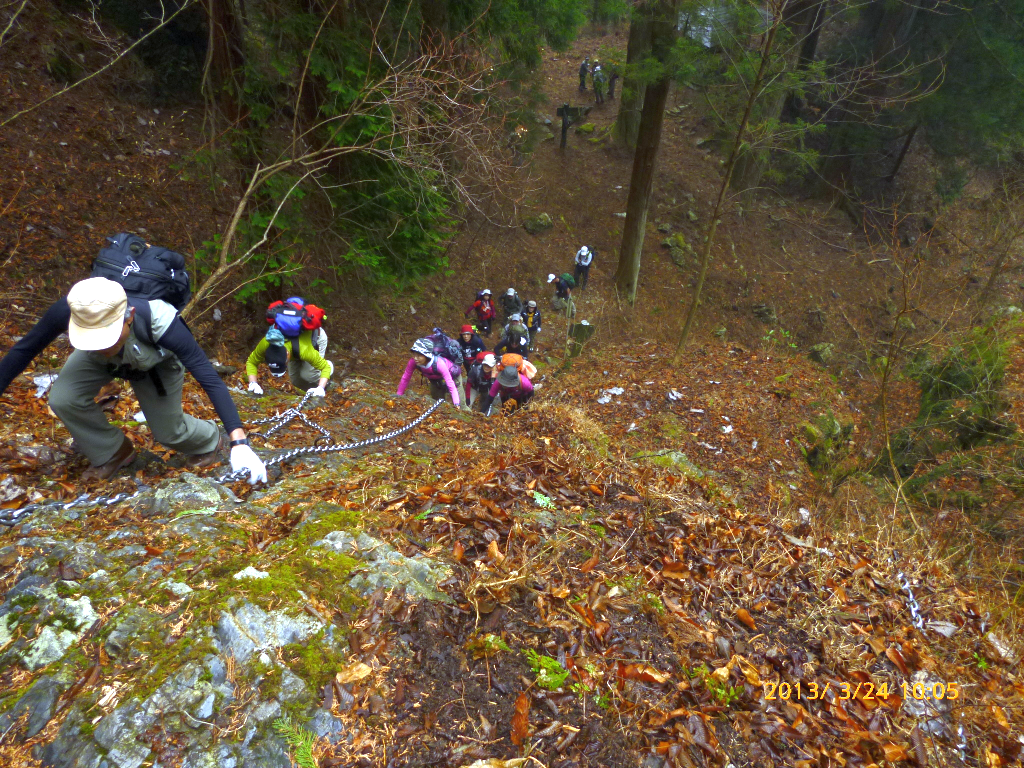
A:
241,474
11,517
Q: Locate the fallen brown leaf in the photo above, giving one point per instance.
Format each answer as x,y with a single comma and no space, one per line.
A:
521,719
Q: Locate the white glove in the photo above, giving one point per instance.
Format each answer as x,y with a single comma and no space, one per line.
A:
255,388
244,457
316,392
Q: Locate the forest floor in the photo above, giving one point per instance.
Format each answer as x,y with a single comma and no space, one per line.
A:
668,552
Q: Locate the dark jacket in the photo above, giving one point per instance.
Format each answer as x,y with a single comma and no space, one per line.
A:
471,348
478,379
511,305
513,345
562,288
531,317
177,339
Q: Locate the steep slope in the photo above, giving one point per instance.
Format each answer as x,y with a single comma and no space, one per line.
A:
483,589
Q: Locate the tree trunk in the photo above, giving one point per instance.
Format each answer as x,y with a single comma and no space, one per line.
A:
903,153
224,60
641,183
631,99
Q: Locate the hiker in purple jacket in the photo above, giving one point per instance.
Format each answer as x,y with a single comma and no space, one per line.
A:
514,389
440,372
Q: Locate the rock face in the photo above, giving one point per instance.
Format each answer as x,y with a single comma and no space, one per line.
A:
199,631
387,567
822,353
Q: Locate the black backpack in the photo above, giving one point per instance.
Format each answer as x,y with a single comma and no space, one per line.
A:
146,271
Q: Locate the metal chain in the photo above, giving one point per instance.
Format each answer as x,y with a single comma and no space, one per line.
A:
12,517
241,474
915,613
286,416
915,608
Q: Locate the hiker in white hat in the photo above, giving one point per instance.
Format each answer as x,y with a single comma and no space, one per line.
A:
146,343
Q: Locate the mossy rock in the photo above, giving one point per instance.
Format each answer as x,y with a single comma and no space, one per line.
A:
825,441
586,128
680,251
537,224
822,353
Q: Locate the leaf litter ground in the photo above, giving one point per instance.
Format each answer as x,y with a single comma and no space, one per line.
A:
606,610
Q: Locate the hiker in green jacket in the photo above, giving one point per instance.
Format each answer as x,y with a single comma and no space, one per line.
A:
302,358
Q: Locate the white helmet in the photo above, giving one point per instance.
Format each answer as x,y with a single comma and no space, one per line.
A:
584,251
485,292
515,317
490,360
551,278
510,292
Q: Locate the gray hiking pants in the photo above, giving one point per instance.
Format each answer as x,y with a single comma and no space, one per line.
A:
439,390
80,380
302,374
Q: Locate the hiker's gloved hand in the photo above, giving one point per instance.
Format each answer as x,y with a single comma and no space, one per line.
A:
316,392
255,388
244,457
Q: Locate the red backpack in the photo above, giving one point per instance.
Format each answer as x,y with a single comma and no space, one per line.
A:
293,316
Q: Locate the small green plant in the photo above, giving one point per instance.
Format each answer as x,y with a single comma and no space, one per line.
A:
486,645
724,694
550,674
777,338
544,502
299,740
980,661
604,700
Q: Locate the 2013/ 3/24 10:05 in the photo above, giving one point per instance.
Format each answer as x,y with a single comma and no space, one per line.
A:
920,691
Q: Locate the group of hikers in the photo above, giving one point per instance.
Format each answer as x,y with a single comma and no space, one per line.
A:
123,322
600,80
502,378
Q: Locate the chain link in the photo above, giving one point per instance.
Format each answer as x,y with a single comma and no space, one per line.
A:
12,517
915,608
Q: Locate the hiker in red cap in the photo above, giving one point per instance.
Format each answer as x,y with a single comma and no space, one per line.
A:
472,345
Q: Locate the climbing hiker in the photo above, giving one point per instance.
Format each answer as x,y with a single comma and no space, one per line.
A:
581,269
519,345
296,343
516,327
613,76
301,357
511,304
524,366
472,345
562,300
145,342
531,319
485,312
600,81
512,388
441,373
584,71
479,379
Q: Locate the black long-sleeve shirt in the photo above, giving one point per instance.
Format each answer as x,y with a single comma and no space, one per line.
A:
176,339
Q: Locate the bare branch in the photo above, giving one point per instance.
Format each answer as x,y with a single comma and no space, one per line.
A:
163,22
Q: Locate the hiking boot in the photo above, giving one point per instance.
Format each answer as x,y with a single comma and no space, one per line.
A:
201,460
125,455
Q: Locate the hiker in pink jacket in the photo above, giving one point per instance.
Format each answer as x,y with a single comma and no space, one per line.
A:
439,371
